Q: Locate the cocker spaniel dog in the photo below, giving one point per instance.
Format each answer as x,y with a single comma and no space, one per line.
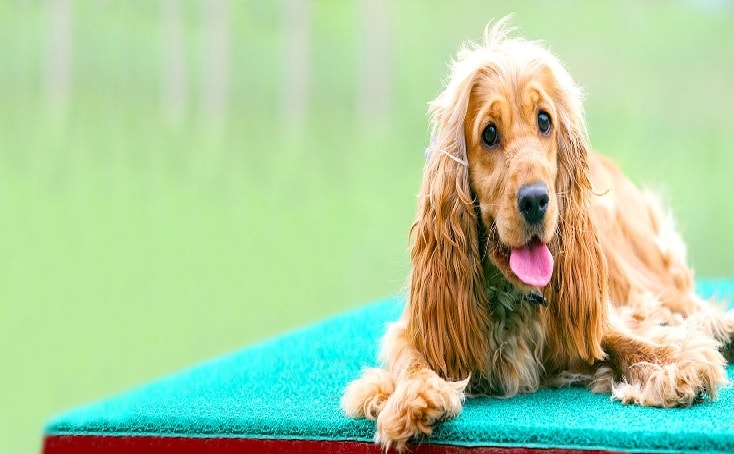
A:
535,261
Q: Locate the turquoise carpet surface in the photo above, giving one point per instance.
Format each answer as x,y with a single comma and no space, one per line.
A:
289,388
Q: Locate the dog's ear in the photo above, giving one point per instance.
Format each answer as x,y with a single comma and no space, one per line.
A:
579,286
447,310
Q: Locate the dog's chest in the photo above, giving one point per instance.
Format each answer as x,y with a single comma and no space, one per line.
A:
516,343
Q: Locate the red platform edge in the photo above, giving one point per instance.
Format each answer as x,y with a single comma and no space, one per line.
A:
94,444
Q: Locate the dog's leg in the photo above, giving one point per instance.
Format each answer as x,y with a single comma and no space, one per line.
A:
712,319
406,398
676,368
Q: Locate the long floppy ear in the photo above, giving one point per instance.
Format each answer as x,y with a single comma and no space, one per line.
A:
579,288
447,305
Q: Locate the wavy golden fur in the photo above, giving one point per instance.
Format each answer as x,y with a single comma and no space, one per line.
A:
618,314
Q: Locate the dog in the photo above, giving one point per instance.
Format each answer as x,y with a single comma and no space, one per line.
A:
535,261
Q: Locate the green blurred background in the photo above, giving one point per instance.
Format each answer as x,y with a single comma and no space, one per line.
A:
179,179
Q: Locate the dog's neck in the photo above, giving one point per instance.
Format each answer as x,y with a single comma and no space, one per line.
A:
501,291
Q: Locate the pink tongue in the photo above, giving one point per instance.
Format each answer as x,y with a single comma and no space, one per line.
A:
532,263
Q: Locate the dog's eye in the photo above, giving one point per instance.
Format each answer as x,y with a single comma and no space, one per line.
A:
544,122
490,136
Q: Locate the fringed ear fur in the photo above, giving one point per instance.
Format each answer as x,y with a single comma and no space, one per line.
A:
579,286
447,308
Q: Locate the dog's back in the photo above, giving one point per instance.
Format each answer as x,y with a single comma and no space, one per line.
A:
649,276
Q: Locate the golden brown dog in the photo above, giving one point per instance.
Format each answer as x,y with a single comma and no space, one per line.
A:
535,262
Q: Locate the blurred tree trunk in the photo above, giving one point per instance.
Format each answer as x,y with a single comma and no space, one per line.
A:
373,93
57,77
216,61
294,94
174,89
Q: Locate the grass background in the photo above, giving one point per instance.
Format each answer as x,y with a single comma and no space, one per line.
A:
131,246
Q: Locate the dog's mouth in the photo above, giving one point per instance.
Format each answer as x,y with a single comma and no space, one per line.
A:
527,266
532,263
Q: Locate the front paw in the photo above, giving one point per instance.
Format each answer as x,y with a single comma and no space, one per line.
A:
693,374
366,396
415,406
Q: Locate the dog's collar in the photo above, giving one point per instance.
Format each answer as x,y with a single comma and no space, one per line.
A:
536,298
510,297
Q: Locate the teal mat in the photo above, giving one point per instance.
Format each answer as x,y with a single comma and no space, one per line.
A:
290,387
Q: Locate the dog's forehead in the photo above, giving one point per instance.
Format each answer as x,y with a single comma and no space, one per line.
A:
513,82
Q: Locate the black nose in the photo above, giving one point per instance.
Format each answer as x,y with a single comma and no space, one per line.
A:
532,201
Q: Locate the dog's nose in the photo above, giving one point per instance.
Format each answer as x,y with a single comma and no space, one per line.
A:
532,201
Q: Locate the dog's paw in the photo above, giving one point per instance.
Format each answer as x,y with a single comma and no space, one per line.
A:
366,396
415,406
697,371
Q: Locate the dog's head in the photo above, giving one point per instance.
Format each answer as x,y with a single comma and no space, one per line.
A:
506,184
514,118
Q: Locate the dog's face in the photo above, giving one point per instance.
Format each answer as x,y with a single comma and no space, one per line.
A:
511,132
